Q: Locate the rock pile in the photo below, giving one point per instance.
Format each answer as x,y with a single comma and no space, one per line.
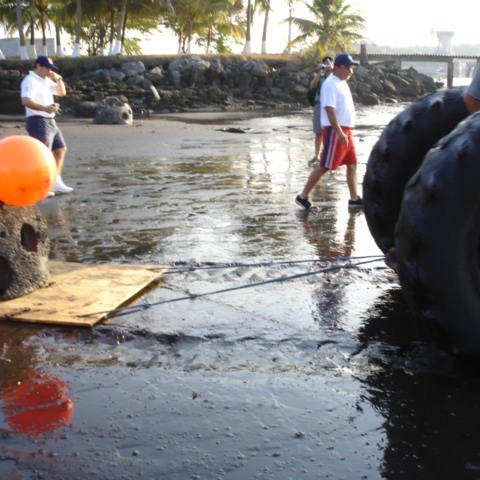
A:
183,83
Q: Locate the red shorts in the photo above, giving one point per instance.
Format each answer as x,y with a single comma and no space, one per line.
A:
336,153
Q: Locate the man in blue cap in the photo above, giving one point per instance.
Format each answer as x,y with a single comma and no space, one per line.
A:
337,119
37,91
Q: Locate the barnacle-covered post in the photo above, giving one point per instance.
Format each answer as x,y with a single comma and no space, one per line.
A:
24,248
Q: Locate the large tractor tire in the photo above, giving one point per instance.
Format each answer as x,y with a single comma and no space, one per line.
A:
437,237
398,154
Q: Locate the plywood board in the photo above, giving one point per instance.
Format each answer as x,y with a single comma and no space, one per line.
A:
80,294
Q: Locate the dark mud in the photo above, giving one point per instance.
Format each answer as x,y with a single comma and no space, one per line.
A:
323,376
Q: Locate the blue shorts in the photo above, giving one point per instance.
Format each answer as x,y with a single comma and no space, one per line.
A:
45,130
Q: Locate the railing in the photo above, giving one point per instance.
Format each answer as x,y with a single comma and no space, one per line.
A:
416,57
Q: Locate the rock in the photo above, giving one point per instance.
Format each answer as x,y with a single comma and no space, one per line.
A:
197,70
218,82
113,110
131,69
155,75
389,88
85,109
216,73
189,71
369,98
260,69
101,76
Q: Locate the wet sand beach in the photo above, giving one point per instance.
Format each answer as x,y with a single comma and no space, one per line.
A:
326,375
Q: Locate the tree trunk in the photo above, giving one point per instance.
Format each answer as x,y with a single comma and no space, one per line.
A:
101,35
124,28
265,25
78,29
209,38
33,48
288,49
112,31
248,41
117,47
58,42
44,38
21,34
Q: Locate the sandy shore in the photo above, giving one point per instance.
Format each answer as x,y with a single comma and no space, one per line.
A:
305,372
149,137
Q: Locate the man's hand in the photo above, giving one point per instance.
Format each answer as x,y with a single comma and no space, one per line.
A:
343,138
53,108
332,117
54,76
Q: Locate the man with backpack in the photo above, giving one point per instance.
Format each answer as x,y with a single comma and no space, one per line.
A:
313,96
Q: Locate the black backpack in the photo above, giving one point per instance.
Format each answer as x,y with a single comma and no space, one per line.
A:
311,94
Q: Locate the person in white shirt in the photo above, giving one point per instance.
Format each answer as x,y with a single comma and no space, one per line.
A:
338,119
37,92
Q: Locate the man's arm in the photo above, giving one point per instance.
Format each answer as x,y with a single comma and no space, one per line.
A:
58,79
332,117
28,102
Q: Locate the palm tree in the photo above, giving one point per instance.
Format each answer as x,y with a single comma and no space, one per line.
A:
290,11
78,29
334,27
219,21
248,39
60,18
43,18
264,6
21,33
11,18
117,47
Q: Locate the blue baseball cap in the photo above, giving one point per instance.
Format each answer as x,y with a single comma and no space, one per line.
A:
344,59
45,61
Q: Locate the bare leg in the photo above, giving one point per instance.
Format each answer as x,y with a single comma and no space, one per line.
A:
59,155
318,144
352,181
59,186
314,177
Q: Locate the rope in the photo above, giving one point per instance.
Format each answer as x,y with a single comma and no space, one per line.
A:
191,267
119,312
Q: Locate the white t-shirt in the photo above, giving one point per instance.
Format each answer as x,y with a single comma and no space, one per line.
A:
474,88
40,90
336,93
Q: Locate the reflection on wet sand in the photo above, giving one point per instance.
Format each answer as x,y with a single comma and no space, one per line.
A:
429,398
33,401
321,231
62,242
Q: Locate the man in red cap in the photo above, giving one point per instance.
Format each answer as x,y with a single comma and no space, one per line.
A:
338,119
37,91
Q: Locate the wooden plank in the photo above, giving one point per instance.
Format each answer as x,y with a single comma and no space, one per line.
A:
81,294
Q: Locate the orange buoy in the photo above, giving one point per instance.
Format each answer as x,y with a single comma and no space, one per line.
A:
27,170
